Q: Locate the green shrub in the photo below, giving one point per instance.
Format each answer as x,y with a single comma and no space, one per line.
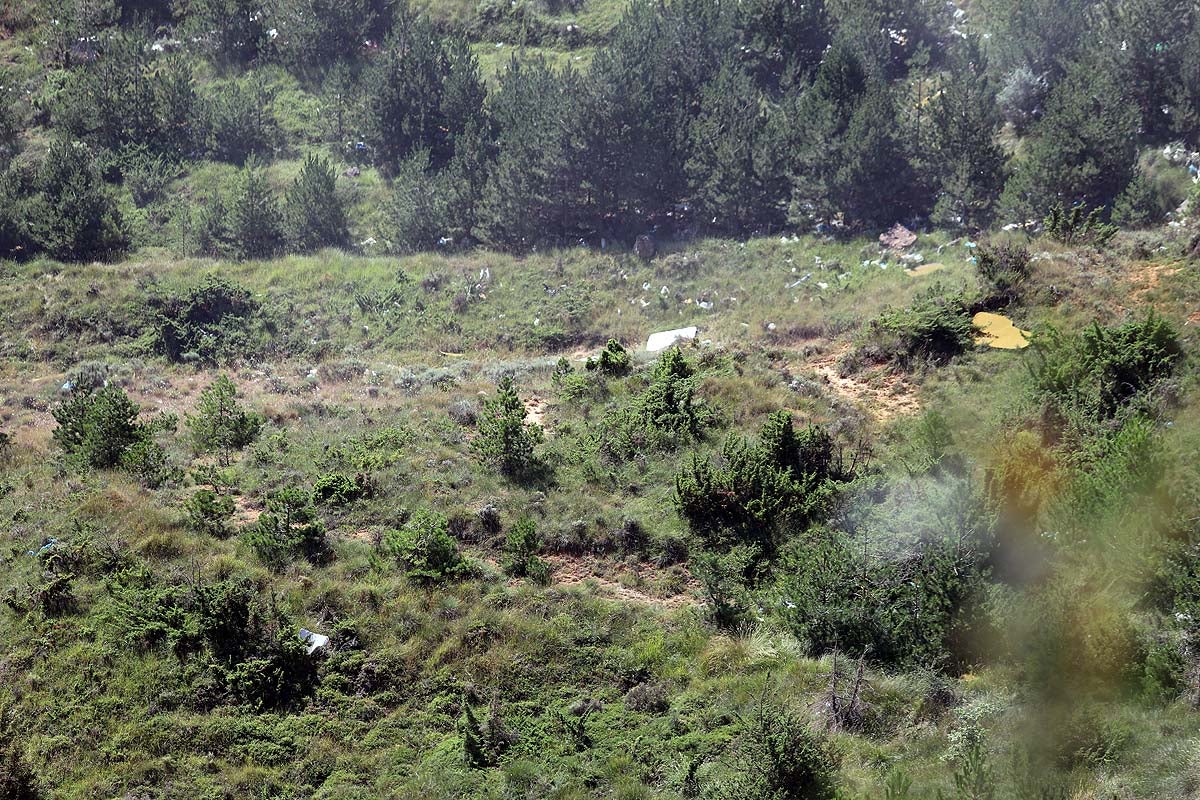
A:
1094,375
277,676
777,756
505,442
214,321
521,546
1004,269
220,424
785,480
724,576
17,779
337,489
147,461
662,417
1077,225
613,360
916,609
936,327
290,527
209,513
98,427
240,120
424,549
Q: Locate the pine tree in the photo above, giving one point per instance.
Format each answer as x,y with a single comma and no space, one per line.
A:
74,216
848,158
783,40
965,154
220,424
255,222
724,169
640,100
313,214
99,426
314,34
406,93
1081,151
505,442
535,189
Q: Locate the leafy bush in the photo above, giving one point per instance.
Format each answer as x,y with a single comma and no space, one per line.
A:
220,424
785,480
505,442
98,427
213,322
1077,225
209,513
613,360
1092,376
425,550
936,327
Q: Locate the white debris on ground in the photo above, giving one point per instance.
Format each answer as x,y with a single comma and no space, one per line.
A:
313,641
664,339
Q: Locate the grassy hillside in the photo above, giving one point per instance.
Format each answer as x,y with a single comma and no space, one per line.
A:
610,676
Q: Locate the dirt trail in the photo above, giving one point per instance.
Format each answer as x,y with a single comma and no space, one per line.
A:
883,395
569,571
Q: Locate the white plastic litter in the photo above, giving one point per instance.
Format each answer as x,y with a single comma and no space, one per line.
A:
664,339
314,641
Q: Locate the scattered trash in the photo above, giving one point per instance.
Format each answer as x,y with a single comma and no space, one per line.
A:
912,258
50,542
67,387
822,285
313,641
999,332
664,339
705,304
924,269
898,238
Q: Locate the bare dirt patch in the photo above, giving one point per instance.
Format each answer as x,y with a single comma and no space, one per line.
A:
1145,278
535,410
883,395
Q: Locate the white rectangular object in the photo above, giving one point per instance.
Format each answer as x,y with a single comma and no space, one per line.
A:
664,339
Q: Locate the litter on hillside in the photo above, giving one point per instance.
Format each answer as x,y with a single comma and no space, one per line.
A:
924,269
313,641
999,332
49,545
664,339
